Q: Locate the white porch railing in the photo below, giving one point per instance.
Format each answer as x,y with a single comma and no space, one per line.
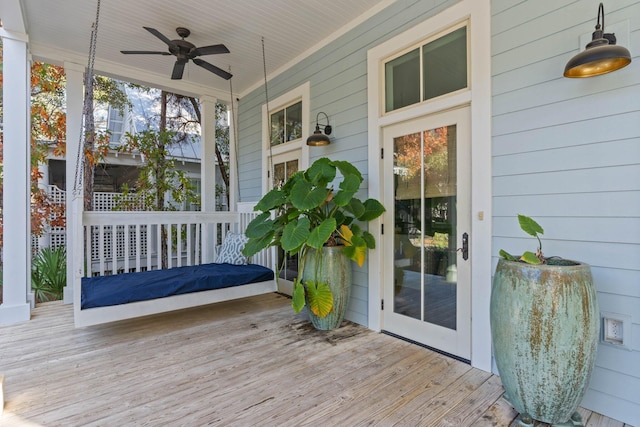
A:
134,241
56,237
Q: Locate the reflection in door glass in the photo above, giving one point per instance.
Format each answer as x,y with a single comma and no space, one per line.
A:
288,264
425,226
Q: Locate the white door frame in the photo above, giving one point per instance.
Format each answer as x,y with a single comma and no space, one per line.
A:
456,341
477,13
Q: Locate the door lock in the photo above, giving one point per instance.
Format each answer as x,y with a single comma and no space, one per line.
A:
465,246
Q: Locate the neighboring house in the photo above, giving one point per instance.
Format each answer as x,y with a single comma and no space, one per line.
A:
118,169
500,133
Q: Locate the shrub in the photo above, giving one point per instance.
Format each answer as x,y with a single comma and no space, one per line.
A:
49,274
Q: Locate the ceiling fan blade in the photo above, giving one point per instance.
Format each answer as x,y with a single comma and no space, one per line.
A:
178,69
143,52
210,50
159,35
220,72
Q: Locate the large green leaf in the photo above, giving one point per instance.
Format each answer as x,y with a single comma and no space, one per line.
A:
348,188
297,300
321,172
530,258
529,226
369,239
347,169
373,209
320,234
295,234
320,298
271,200
289,183
506,255
355,207
255,245
305,197
259,225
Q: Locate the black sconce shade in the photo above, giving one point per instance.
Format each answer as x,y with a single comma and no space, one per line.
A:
318,139
600,56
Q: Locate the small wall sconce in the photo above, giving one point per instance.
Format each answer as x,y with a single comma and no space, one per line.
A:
318,138
600,56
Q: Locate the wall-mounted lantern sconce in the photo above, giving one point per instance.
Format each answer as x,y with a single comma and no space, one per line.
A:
318,138
600,56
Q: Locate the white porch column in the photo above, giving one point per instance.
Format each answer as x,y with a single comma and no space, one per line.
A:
233,161
208,170
74,203
16,252
208,155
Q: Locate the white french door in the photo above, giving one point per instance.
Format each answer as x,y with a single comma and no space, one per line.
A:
283,166
427,188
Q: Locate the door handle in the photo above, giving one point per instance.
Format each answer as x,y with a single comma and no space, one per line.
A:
465,246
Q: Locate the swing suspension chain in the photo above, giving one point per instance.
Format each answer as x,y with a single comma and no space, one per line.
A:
77,182
235,137
266,95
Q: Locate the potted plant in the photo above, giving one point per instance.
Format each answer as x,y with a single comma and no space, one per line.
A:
545,327
306,216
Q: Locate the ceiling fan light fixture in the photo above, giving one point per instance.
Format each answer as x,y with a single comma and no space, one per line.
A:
601,55
185,51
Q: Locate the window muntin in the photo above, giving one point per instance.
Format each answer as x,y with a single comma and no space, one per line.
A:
427,71
286,124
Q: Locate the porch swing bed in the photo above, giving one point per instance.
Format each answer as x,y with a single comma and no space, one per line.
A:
118,288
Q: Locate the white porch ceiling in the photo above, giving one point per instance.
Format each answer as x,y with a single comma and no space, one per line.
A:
60,31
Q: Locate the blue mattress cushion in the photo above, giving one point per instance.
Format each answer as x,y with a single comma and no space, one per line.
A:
123,288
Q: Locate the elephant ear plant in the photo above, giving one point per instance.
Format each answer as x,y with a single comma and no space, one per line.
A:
307,213
532,228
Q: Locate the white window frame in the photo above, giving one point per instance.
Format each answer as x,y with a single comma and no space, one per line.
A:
301,93
478,96
420,45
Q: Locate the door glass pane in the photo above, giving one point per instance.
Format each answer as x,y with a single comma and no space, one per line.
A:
445,64
288,264
402,81
425,226
408,189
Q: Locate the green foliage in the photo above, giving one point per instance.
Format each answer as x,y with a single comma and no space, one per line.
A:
49,274
320,298
158,176
308,213
532,228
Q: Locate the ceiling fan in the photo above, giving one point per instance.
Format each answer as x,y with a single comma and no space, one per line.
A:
184,51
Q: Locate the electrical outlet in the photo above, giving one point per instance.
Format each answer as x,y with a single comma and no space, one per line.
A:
616,330
613,331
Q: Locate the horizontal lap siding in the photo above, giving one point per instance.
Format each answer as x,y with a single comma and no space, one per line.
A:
567,152
338,76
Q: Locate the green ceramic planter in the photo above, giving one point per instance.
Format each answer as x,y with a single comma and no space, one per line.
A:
545,327
334,269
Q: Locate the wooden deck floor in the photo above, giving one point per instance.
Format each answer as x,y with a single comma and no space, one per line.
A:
242,363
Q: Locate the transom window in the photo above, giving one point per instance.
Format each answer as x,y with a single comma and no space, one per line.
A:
427,71
286,124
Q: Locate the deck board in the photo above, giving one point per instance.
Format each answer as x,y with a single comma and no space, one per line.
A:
237,363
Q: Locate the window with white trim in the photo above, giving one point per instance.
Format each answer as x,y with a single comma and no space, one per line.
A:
286,124
426,71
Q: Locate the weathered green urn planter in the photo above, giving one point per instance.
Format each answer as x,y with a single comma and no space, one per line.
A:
545,327
334,269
